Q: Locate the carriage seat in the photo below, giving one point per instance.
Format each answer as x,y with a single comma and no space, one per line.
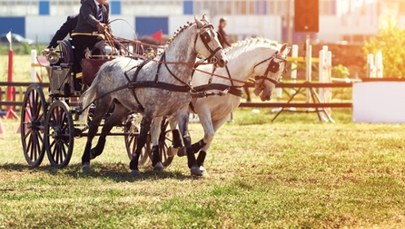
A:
67,51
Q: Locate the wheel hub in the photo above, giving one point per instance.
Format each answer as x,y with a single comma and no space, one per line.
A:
56,133
34,125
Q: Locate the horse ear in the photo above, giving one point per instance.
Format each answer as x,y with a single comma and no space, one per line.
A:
198,23
204,18
285,49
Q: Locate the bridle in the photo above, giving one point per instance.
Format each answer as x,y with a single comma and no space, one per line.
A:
206,39
273,67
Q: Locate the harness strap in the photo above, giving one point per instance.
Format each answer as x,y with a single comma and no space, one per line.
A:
162,58
229,74
172,74
265,78
160,85
214,68
138,68
201,91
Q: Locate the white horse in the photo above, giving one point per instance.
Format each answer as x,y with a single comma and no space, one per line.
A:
257,58
155,88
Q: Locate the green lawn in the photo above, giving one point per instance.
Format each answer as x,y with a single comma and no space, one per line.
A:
295,172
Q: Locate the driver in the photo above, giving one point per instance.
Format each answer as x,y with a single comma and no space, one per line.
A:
91,24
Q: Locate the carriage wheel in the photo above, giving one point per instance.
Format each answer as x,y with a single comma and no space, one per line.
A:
165,143
33,113
131,132
59,132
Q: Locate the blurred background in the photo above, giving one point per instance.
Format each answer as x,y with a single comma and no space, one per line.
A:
344,25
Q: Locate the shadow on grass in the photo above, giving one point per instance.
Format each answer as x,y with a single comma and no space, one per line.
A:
117,172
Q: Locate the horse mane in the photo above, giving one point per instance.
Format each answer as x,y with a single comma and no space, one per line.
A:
241,46
179,31
182,28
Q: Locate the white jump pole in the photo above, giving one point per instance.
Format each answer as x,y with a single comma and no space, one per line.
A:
379,65
322,72
328,91
33,63
371,71
294,54
294,69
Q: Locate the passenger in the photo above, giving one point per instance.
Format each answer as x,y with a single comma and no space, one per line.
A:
221,33
91,24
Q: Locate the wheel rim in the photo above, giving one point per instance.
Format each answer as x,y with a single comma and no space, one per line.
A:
60,136
165,142
33,114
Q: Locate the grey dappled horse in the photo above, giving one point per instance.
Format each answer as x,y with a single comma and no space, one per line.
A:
263,60
154,88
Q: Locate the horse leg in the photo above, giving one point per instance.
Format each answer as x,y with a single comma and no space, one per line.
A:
206,122
176,144
100,112
141,140
208,138
114,119
155,134
191,161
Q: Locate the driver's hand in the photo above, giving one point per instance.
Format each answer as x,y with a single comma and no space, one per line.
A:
45,52
101,27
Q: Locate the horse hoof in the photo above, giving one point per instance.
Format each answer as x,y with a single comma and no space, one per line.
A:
181,152
204,171
86,167
195,171
159,167
172,151
135,173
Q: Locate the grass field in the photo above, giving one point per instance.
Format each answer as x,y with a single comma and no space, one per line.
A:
295,173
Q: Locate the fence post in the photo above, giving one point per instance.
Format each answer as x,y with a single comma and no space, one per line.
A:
371,73
14,95
328,91
294,66
322,72
10,113
379,65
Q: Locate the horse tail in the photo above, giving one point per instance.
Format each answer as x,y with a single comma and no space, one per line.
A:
86,99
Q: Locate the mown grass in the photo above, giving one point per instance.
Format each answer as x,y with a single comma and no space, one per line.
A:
295,172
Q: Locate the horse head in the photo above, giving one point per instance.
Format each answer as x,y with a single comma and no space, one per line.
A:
268,72
206,43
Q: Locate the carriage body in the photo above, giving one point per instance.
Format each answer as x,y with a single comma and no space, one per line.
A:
49,124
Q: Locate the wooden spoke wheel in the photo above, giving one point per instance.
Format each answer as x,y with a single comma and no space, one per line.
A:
33,115
59,134
131,132
165,144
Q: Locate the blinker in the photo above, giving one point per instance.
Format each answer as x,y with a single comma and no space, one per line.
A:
274,66
205,37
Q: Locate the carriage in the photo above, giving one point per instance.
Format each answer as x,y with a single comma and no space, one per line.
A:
50,118
51,124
